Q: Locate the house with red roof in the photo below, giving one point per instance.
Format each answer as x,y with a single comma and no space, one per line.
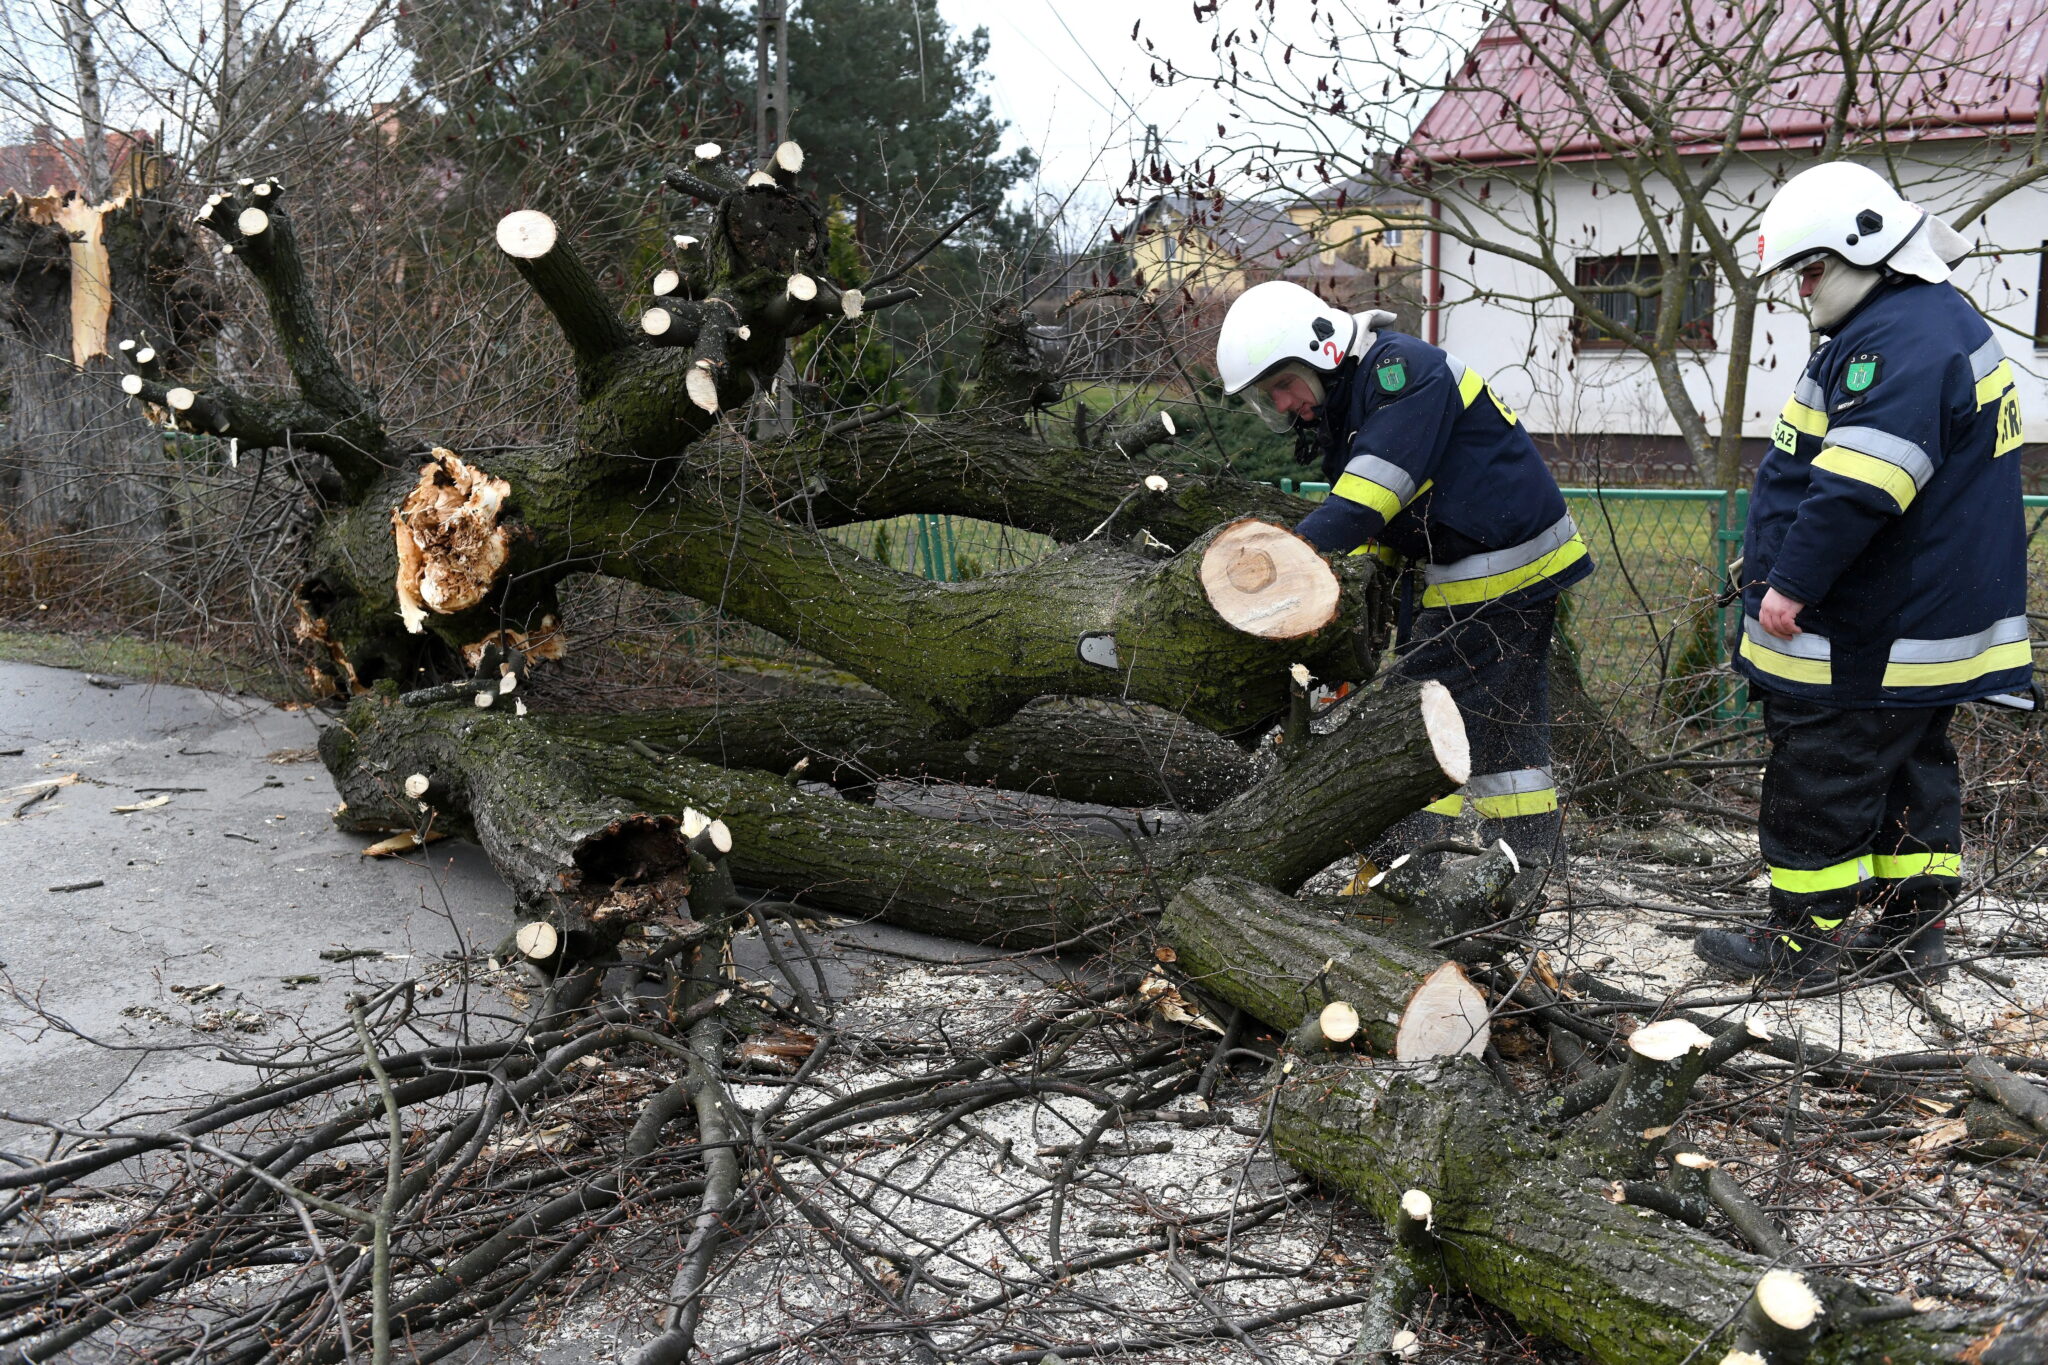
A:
1551,161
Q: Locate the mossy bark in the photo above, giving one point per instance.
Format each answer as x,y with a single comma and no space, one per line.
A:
1281,962
551,800
1108,755
1526,1225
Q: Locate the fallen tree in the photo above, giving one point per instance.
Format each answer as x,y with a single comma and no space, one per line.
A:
432,589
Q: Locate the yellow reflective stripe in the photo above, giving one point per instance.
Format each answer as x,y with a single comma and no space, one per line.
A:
1854,464
1385,554
1827,924
1898,866
1992,386
1366,493
1787,666
1516,803
1469,386
1801,881
1454,804
1466,590
1807,421
1997,659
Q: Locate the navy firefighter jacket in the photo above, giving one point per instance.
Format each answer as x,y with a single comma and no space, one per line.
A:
1889,503
1424,459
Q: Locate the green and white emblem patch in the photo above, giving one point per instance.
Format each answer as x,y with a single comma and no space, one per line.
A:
1392,376
1862,372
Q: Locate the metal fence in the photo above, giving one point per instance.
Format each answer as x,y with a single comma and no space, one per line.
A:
1651,641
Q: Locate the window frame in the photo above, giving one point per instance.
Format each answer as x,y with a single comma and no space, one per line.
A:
1696,329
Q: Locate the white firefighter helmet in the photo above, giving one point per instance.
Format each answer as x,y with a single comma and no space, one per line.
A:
1849,211
1276,324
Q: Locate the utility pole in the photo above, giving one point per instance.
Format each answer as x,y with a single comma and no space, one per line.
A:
776,416
771,75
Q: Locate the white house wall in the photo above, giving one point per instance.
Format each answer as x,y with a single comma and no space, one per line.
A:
1504,318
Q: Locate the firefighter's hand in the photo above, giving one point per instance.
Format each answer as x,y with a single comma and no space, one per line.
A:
1779,615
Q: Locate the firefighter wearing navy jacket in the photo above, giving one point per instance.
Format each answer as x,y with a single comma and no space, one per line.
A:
1428,467
1884,583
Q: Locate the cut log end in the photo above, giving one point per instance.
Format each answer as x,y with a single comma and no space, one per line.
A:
656,322
1446,727
527,234
537,940
145,356
181,399
802,288
1339,1021
1420,1207
1266,581
789,157
252,222
1743,1358
684,241
666,282
1156,483
1667,1040
1695,1161
1166,421
417,785
1446,1017
852,302
709,151
131,384
719,835
1784,1298
694,822
761,180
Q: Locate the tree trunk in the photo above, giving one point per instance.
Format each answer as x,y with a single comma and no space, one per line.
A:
1108,755
581,824
1529,1218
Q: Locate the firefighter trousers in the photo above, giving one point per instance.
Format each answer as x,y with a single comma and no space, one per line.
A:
1860,808
1496,663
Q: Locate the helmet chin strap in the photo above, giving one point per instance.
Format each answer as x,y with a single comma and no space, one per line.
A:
1842,286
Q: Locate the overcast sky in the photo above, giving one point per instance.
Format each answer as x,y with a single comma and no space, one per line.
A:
1073,86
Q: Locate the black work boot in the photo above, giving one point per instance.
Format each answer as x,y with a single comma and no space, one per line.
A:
1911,935
1775,951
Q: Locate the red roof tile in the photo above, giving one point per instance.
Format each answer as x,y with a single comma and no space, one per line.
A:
1956,68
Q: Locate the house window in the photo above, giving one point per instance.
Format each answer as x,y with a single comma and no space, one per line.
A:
1611,281
1391,237
2041,301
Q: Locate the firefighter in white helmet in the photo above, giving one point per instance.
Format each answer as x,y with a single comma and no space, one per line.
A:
1430,470
1884,582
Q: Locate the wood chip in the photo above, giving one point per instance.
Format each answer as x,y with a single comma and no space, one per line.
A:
154,803
401,843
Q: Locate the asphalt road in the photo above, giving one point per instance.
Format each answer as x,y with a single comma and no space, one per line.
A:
238,880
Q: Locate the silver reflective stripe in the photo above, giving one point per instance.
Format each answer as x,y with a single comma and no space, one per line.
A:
1509,784
1456,366
1385,473
1986,358
1805,645
1500,561
1884,446
2011,630
1810,393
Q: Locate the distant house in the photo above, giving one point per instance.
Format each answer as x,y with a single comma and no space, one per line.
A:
49,164
1335,242
1943,108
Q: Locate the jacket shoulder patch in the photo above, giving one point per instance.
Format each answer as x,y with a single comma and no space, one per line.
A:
1862,371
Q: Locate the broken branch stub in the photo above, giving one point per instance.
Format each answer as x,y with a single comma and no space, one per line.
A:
450,545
